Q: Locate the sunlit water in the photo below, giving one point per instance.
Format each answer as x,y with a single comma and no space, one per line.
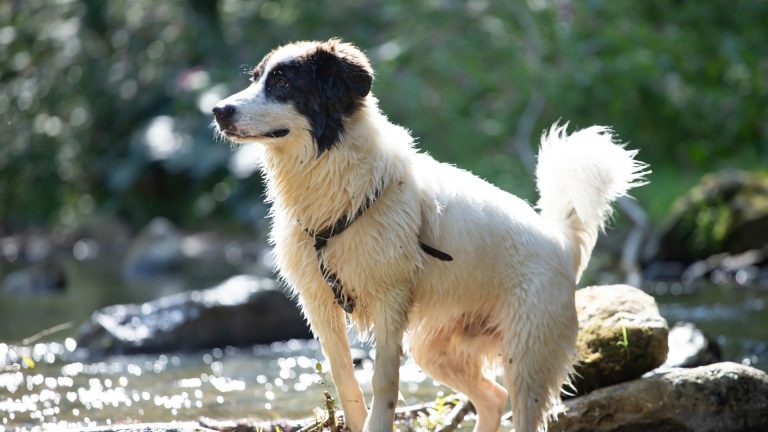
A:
265,382
52,385
65,389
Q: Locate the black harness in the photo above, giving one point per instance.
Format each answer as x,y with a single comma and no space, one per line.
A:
321,241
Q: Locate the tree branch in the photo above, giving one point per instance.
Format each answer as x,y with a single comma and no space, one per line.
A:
520,143
630,253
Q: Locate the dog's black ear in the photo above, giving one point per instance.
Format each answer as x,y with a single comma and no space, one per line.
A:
344,78
356,69
346,73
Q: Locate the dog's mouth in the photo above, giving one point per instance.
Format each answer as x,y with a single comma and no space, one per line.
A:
277,133
274,133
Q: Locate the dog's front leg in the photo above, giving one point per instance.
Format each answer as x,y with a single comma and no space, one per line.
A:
329,326
388,329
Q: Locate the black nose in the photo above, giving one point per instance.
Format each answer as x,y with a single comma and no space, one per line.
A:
224,114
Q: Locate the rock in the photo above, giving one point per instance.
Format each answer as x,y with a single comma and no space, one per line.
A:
726,212
621,336
46,277
243,310
691,347
156,250
722,397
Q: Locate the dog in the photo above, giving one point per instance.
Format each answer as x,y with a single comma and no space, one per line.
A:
368,230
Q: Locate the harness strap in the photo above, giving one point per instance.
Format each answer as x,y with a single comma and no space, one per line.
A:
346,303
442,256
338,227
321,241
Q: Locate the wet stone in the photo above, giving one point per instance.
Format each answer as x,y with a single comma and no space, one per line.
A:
689,346
243,310
722,397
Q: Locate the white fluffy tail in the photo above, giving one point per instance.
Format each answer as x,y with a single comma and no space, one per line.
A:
578,177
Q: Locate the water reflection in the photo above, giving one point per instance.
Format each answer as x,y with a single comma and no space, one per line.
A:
265,382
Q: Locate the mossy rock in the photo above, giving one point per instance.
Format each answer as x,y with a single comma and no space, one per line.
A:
621,336
725,212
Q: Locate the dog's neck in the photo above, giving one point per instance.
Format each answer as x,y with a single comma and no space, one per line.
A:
317,191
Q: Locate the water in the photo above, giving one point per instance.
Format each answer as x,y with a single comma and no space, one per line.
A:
266,382
92,285
736,315
65,390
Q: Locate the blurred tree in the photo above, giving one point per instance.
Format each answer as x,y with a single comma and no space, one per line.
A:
105,104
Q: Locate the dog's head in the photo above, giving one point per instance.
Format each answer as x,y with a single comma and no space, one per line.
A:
300,90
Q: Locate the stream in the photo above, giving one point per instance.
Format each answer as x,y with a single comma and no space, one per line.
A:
51,384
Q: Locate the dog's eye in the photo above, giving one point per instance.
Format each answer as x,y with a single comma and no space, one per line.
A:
282,82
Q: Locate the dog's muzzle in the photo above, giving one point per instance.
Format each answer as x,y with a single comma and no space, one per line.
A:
225,115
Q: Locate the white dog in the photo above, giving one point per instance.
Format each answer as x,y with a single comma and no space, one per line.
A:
370,230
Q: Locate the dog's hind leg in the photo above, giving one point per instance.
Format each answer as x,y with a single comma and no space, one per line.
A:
456,360
538,345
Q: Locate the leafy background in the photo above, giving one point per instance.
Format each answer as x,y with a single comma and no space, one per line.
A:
105,105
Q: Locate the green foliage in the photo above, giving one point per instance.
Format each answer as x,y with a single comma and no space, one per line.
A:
105,104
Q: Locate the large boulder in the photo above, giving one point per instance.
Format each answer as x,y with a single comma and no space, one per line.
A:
244,310
621,336
726,212
722,397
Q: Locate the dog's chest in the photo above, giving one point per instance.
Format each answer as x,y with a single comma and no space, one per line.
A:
375,258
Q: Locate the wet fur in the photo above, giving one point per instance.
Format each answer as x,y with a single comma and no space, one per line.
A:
506,301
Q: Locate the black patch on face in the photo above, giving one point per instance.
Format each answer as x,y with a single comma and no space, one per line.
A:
327,84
